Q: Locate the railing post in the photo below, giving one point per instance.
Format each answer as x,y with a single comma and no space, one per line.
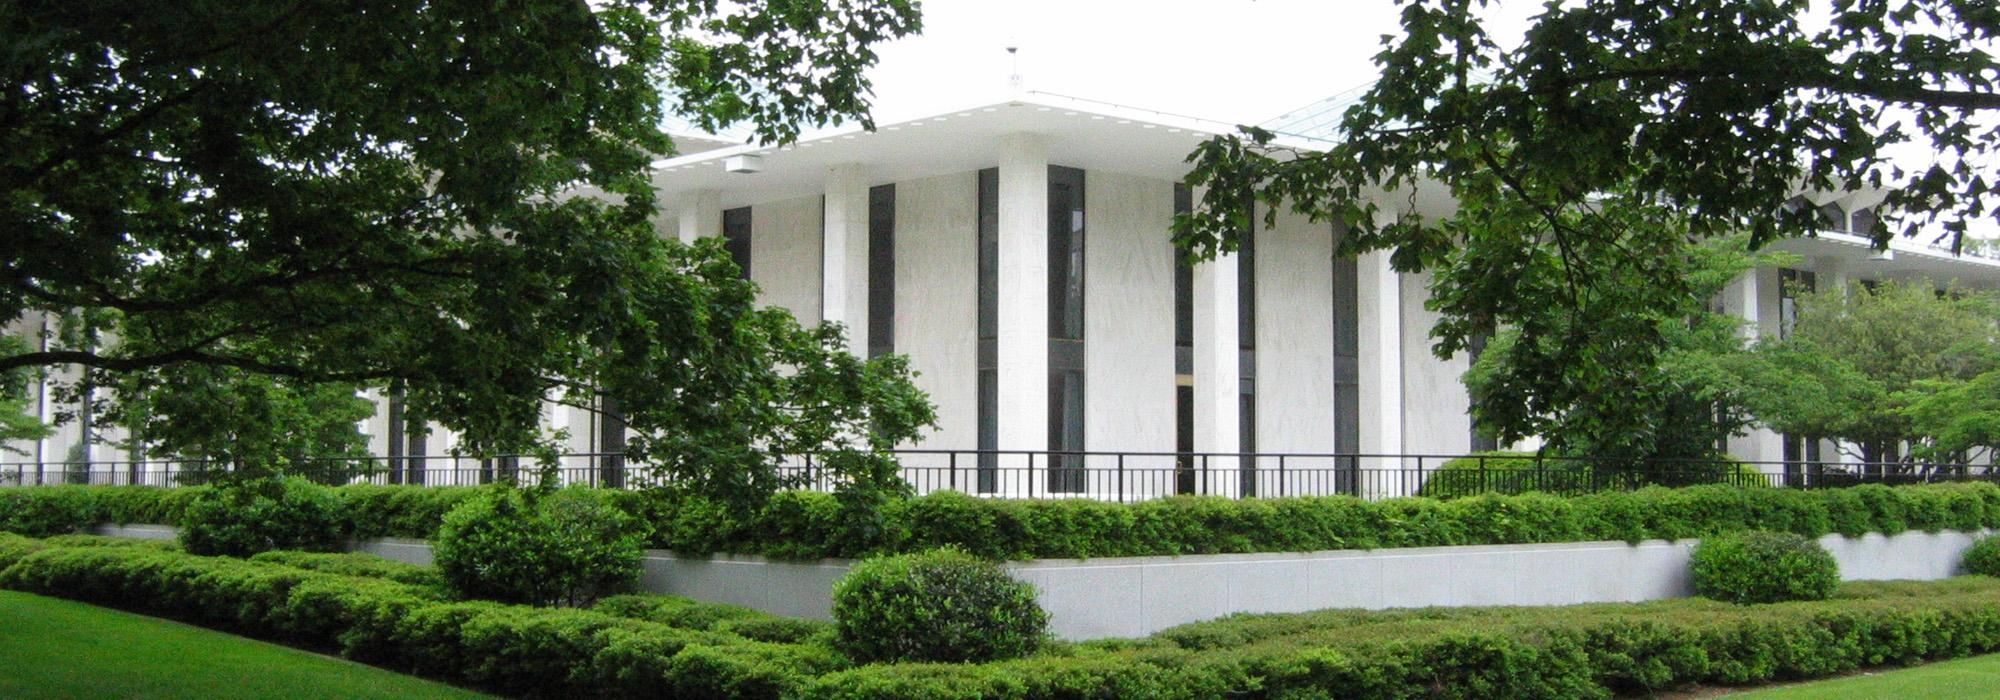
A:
1281,475
1121,477
1419,473
1031,475
952,464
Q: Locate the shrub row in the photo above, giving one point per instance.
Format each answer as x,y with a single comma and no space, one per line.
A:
512,650
1576,651
804,525
1590,651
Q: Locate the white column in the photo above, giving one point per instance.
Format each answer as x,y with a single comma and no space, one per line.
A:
1740,299
1753,297
1833,274
1217,371
1023,319
1379,293
844,254
700,214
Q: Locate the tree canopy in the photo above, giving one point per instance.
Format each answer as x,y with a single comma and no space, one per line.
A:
1565,153
1614,397
313,194
1897,364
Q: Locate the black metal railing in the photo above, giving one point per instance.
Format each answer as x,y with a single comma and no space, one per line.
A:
1110,476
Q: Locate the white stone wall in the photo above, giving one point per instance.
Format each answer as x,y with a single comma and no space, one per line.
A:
1295,392
937,312
1137,596
785,255
1129,324
1436,405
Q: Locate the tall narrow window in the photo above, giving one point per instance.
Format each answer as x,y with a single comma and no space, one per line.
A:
394,436
1184,465
881,270
610,443
1346,365
1481,442
736,237
1066,380
417,451
989,329
1246,356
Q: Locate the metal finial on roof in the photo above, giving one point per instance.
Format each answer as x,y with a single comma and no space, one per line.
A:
1014,79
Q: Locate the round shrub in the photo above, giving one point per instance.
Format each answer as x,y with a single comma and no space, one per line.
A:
244,517
1983,557
941,605
1763,567
563,547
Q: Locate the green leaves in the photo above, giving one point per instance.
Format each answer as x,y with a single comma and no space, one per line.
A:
262,208
1902,363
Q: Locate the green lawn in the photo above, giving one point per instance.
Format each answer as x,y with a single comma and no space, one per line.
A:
52,648
1977,677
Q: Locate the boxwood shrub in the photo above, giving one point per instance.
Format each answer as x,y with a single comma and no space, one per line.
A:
560,547
1757,566
1983,557
942,605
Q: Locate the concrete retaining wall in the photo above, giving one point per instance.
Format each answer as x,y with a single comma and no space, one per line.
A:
1136,596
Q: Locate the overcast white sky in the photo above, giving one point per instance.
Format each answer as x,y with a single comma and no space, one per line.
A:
1242,61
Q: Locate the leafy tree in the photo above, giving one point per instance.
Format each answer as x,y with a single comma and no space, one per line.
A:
1568,373
17,422
291,196
1614,115
1880,368
1957,419
230,418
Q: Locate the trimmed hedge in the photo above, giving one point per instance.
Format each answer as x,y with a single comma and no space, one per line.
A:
803,525
512,650
355,564
260,515
1585,651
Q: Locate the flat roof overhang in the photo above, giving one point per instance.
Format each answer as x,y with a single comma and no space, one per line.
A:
1078,133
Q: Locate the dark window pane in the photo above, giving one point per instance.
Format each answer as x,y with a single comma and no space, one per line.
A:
1066,473
1246,330
988,198
989,252
881,270
1066,245
736,237
1346,365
